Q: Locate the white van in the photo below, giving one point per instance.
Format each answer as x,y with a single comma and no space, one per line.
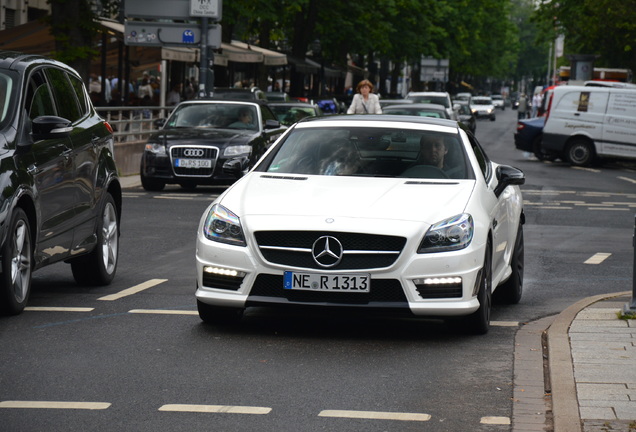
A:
583,123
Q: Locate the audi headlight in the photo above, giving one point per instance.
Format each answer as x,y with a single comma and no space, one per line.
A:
237,150
223,226
448,235
156,148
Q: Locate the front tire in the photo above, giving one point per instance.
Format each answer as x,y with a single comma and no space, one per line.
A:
99,266
580,152
152,185
17,262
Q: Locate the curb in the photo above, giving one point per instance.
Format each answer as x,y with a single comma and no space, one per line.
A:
565,404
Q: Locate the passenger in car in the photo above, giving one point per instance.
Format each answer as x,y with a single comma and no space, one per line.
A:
244,119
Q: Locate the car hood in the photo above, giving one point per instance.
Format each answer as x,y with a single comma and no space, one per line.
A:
202,136
298,200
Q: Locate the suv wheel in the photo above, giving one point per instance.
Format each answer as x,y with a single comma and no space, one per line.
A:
99,266
17,258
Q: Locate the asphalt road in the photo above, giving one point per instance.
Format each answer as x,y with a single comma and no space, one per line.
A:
136,357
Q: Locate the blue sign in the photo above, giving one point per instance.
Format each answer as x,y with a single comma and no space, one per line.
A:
188,37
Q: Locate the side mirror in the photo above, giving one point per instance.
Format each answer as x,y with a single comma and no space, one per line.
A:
272,124
234,167
507,176
159,123
50,127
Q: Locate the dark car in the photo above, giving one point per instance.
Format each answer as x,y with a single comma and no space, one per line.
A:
528,137
289,113
61,197
201,136
418,109
466,115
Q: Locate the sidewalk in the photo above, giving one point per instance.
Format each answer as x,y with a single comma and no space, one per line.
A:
577,371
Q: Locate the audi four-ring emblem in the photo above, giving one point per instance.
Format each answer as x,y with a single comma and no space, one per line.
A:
327,251
193,152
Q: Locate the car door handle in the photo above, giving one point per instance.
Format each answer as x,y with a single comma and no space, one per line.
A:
66,154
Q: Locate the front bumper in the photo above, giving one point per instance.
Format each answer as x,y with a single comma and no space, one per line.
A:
397,287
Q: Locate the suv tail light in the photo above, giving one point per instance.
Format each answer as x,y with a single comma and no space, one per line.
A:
109,127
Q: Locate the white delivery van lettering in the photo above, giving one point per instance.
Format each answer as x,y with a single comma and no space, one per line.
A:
579,126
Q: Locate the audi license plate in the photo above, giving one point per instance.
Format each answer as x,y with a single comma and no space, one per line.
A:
193,163
327,282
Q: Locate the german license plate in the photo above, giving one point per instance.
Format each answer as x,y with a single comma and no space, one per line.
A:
327,282
193,163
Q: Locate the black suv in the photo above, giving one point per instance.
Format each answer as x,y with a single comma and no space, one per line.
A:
60,196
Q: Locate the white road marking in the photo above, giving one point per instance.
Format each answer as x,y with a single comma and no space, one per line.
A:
55,405
163,311
495,420
133,290
58,309
627,179
597,258
226,409
375,415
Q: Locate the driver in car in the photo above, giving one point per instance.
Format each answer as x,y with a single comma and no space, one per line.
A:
433,150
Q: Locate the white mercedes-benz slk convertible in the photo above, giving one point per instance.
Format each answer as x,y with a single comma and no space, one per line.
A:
396,213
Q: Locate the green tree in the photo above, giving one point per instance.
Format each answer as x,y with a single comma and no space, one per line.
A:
606,28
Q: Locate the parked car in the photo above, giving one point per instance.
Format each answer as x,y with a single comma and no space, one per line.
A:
253,93
387,102
498,101
289,113
201,136
440,98
417,109
466,116
483,107
392,213
61,197
528,137
588,123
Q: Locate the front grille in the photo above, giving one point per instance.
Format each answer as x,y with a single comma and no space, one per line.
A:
208,153
383,292
361,251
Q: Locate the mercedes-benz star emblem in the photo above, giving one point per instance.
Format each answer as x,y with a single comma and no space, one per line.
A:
327,251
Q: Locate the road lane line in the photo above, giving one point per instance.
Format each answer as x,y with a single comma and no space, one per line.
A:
55,405
627,179
58,309
133,290
495,420
225,409
597,258
504,323
375,415
163,311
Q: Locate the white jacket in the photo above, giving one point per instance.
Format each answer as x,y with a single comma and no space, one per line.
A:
359,106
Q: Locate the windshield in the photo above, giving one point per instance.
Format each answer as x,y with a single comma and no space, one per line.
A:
370,152
8,96
213,115
481,101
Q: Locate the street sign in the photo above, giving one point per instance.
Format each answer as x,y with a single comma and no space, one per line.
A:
158,34
173,9
205,8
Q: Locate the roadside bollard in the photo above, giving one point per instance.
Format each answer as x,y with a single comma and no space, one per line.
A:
630,308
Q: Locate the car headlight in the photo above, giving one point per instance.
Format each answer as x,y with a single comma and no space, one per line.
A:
223,226
156,148
237,150
448,235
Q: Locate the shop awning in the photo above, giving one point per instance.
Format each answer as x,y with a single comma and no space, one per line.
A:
270,58
240,55
303,65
